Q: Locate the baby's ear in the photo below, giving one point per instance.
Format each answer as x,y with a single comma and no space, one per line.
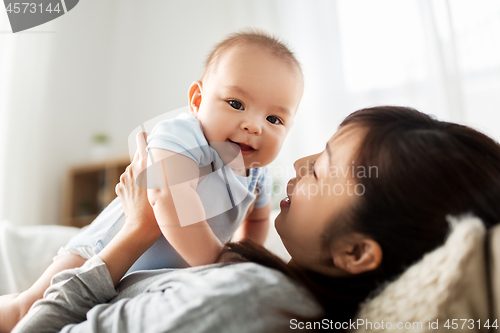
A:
194,96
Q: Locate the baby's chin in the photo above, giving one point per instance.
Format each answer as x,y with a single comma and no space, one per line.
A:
253,164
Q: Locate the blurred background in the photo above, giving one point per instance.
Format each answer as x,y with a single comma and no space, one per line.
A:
73,89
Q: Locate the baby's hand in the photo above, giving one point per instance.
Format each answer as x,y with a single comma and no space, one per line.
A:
139,213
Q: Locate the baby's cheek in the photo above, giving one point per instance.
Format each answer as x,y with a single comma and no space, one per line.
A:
271,152
278,144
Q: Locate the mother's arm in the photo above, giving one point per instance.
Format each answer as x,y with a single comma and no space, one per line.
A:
74,292
141,230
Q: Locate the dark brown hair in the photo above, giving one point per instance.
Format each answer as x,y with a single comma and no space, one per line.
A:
427,169
252,36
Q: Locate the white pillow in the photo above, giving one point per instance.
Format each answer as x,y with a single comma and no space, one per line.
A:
447,287
26,251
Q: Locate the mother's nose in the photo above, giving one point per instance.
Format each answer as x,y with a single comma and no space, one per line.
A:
290,186
302,165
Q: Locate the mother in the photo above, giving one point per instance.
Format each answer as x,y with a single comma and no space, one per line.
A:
357,214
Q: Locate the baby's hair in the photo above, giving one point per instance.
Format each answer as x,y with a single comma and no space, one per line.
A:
251,36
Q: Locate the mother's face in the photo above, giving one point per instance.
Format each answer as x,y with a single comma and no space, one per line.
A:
324,188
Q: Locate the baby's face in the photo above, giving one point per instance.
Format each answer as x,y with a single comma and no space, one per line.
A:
250,99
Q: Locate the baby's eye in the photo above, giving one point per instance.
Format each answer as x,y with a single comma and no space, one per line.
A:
274,120
236,105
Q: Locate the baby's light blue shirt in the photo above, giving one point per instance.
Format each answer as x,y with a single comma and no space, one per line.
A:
225,202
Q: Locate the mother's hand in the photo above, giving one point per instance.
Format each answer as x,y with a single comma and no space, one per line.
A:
140,230
139,213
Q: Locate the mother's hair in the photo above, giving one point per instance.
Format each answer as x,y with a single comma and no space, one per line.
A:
427,169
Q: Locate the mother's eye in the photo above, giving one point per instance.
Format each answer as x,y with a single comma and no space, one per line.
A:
274,120
236,105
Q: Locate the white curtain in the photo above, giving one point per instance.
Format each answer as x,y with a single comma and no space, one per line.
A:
6,61
440,56
108,66
24,67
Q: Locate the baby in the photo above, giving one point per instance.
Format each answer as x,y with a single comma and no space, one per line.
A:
247,99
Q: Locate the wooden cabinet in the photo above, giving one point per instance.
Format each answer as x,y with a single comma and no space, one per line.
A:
89,189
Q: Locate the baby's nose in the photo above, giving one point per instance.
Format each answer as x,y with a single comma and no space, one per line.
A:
253,126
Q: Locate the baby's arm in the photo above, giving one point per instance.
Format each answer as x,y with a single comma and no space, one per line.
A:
196,243
255,226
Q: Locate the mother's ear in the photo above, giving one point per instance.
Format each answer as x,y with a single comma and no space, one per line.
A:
357,254
194,95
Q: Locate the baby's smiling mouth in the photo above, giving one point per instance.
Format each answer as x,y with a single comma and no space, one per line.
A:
243,147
